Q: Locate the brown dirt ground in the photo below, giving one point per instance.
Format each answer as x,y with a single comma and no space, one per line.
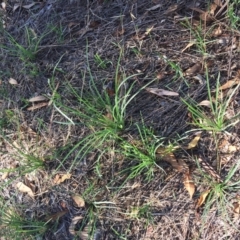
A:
98,26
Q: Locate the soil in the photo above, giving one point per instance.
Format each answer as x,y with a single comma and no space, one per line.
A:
152,34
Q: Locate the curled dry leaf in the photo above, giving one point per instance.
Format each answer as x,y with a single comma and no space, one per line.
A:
161,92
78,201
169,157
230,83
59,178
12,81
56,216
202,198
206,103
24,189
37,99
189,184
194,69
37,106
194,142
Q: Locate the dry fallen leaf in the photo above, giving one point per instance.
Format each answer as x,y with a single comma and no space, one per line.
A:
206,103
78,201
189,45
37,106
230,84
59,178
24,189
161,92
194,142
56,216
189,184
194,69
37,99
12,81
236,207
202,198
169,157
5,175
232,149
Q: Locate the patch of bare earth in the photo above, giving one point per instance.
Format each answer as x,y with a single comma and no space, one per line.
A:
154,36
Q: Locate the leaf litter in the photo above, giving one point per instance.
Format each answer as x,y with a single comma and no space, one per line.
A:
166,115
24,189
161,92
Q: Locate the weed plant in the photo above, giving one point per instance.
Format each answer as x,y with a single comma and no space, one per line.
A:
25,52
17,227
220,193
103,114
215,121
231,12
142,152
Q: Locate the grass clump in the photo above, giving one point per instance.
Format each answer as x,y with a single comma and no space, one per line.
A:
220,194
142,152
102,112
214,121
17,227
